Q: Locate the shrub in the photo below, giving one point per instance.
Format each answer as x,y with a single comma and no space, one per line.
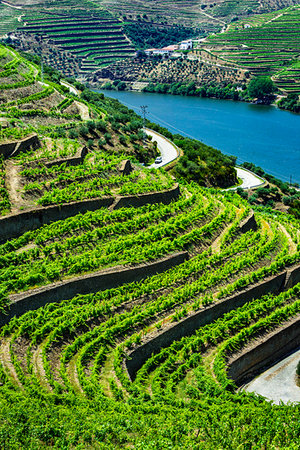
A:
83,130
260,86
107,137
90,143
73,134
122,140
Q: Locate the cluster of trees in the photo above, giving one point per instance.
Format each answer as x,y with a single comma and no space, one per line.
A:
225,91
281,191
291,103
205,165
200,163
260,87
147,35
116,85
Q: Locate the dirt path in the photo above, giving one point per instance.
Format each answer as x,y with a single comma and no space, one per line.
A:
71,88
38,367
6,361
73,375
216,245
292,245
11,6
274,18
214,18
14,187
84,111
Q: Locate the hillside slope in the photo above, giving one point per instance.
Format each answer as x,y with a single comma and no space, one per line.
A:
72,38
80,38
126,297
265,45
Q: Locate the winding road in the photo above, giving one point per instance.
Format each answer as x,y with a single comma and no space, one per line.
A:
71,88
278,383
169,152
249,179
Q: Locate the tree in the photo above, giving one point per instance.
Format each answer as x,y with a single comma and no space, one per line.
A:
260,86
90,143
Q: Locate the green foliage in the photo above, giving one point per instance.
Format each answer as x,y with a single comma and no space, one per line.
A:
222,91
260,86
4,197
291,103
63,381
146,35
265,44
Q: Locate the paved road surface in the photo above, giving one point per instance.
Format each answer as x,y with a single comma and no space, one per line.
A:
71,88
250,180
169,153
167,150
278,382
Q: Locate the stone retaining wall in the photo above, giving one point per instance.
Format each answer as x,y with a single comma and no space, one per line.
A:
14,225
188,325
13,148
261,355
7,149
292,277
86,284
72,161
142,199
249,223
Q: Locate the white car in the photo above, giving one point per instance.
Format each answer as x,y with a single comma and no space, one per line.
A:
158,160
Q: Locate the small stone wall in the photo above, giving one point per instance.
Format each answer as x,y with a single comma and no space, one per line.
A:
249,223
292,277
72,161
14,225
142,199
261,355
188,325
125,167
86,284
13,148
7,149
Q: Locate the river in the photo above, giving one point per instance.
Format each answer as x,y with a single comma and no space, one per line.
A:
264,135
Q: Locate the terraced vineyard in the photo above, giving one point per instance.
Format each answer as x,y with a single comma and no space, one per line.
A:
209,15
122,312
53,164
9,19
265,45
72,38
93,39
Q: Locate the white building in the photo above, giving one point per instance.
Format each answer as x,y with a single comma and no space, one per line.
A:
186,45
165,51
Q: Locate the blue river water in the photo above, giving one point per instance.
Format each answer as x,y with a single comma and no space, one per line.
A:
264,135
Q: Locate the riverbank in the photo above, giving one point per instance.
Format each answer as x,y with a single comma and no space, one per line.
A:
170,153
218,92
264,135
